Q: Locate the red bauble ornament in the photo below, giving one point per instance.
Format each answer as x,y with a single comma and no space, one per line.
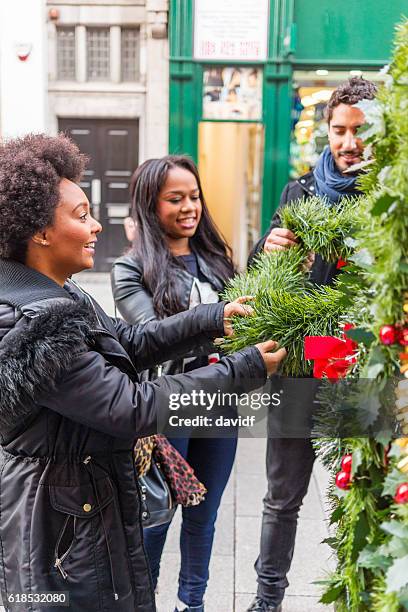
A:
388,334
401,495
343,480
403,336
346,463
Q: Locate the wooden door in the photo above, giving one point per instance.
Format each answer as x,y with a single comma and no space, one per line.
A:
112,146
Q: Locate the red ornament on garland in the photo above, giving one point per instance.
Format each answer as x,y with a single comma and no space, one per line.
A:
401,496
343,480
403,336
346,463
388,334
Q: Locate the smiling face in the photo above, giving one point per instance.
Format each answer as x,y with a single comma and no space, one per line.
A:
68,245
73,235
346,147
179,207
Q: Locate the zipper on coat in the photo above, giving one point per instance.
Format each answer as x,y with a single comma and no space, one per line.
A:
88,299
59,560
140,525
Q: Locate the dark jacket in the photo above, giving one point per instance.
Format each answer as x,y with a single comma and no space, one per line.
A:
322,272
135,302
71,407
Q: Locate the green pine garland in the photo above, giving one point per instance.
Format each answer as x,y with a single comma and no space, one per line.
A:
287,306
371,538
281,270
371,233
322,229
288,318
371,531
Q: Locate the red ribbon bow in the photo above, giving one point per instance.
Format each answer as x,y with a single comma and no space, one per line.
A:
332,356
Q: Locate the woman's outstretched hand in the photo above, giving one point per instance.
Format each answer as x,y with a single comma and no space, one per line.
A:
271,354
237,308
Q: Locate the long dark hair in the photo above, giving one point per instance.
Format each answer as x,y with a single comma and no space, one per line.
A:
150,243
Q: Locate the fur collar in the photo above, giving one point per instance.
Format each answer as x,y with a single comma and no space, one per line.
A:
34,355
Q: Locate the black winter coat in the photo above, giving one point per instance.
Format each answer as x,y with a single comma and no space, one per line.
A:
71,407
322,272
135,302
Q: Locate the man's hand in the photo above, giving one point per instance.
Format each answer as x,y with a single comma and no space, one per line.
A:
309,261
236,308
280,239
271,354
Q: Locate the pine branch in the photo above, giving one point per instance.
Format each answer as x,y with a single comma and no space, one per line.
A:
288,318
278,270
287,305
321,228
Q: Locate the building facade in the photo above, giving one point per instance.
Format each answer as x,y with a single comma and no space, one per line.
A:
248,83
97,70
239,85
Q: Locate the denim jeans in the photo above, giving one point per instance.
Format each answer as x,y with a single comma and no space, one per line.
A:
212,460
289,464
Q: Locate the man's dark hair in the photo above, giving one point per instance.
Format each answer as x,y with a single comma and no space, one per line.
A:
352,91
31,169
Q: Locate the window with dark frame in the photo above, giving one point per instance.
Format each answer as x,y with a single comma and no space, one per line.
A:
130,54
98,54
66,68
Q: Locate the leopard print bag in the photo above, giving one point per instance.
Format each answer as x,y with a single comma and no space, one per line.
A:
185,488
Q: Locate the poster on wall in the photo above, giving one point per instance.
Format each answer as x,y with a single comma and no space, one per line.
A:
231,30
232,92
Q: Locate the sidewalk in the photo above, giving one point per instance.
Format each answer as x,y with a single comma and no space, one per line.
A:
232,577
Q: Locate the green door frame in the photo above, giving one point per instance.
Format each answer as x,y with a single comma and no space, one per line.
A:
186,78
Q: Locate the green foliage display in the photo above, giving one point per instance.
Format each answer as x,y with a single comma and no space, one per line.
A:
371,531
287,306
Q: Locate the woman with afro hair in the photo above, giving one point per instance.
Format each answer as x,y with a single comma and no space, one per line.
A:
71,402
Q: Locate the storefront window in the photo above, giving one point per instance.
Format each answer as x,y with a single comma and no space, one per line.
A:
232,92
311,92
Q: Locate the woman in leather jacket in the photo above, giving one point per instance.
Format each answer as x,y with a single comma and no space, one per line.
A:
71,401
177,261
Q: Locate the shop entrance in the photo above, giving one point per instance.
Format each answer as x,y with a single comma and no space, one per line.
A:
112,147
311,92
230,158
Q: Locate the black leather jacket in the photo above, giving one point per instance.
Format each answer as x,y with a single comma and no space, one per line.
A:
71,407
135,303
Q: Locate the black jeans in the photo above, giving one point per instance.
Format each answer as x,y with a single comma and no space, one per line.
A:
289,463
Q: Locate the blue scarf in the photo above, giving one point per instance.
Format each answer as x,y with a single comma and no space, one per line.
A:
330,182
